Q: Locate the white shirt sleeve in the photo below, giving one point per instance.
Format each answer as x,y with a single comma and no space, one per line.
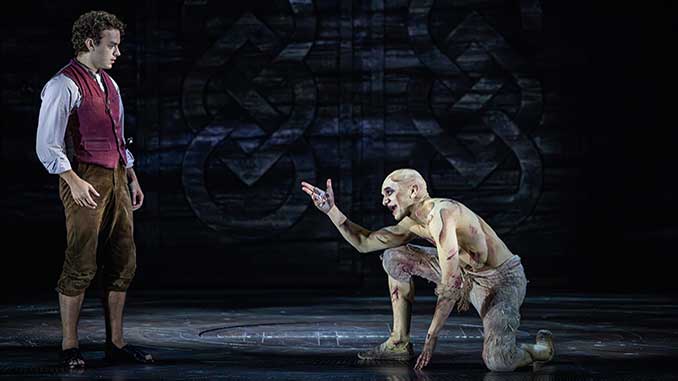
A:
130,157
59,96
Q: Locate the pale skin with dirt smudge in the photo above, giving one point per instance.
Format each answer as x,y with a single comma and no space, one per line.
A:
461,238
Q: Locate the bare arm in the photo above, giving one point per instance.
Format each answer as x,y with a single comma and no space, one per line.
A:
443,231
360,238
134,189
366,241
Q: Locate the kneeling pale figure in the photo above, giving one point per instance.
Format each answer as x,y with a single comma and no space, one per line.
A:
468,263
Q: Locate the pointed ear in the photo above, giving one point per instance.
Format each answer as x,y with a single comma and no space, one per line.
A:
414,191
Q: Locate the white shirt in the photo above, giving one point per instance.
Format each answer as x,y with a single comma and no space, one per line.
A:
59,97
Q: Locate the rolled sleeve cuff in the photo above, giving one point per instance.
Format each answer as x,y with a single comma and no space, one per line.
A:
58,166
130,159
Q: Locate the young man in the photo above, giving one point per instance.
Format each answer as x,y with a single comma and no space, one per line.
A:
469,262
81,138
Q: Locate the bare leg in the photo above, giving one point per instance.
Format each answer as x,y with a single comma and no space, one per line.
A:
500,352
402,295
498,298
69,306
397,346
114,304
401,264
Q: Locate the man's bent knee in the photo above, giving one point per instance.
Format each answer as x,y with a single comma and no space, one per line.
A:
397,264
499,354
498,365
499,349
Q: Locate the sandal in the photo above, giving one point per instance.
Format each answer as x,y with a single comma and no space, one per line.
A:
127,354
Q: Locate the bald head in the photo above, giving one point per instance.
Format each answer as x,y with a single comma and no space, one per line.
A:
402,189
406,177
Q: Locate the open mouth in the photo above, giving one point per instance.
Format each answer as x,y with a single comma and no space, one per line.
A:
392,208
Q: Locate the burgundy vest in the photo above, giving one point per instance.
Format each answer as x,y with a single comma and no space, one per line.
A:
95,126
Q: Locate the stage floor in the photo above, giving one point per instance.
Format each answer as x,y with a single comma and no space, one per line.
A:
263,335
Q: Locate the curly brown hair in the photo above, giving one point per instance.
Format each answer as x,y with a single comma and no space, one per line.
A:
91,25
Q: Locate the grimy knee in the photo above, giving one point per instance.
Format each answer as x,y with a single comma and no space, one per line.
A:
499,349
396,264
499,355
498,366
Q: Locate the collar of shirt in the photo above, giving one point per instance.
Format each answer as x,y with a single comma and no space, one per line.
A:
94,74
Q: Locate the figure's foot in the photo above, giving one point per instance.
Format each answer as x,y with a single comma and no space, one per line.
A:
72,358
388,350
543,350
127,354
544,347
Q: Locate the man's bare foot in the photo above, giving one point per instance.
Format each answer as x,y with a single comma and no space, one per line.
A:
389,350
543,350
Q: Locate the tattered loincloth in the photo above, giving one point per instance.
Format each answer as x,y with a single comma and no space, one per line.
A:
508,273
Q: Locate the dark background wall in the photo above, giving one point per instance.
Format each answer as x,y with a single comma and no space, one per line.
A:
551,120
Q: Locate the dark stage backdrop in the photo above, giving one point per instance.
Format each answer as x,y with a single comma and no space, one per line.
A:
545,118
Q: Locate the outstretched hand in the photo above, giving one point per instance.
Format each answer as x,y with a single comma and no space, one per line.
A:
427,352
323,200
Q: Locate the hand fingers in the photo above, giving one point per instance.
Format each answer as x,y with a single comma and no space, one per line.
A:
90,204
318,196
307,185
135,200
91,189
310,189
89,201
82,202
330,191
422,361
418,364
427,358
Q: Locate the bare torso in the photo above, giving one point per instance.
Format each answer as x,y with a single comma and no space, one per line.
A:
479,246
